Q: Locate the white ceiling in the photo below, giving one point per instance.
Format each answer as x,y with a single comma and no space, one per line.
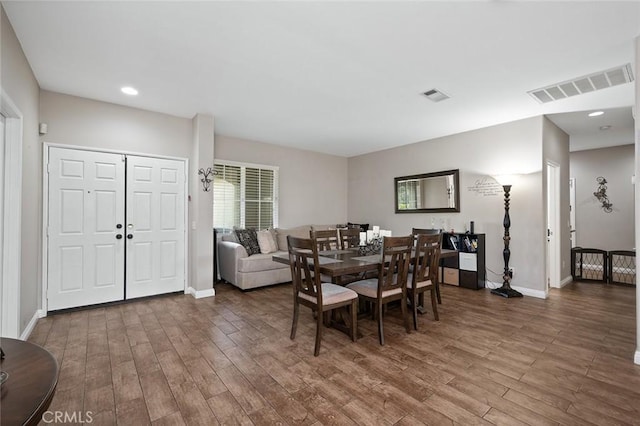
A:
338,77
613,128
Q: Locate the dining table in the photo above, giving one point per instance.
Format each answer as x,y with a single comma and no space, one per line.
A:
29,379
341,264
338,264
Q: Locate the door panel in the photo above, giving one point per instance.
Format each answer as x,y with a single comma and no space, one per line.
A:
155,208
86,201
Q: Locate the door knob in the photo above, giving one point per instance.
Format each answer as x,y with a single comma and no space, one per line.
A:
118,236
119,226
129,236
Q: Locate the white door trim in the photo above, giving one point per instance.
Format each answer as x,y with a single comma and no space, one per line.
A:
553,248
572,212
12,249
45,207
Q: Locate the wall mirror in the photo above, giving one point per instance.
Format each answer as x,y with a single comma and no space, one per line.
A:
428,192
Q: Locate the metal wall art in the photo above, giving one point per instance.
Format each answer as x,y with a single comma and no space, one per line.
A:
206,180
601,194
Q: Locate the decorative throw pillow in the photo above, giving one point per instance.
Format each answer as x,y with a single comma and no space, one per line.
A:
266,241
249,240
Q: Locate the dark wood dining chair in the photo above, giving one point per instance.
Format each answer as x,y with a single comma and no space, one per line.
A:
310,291
425,274
391,283
326,239
349,238
430,231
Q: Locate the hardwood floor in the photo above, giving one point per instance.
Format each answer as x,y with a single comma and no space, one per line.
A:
229,360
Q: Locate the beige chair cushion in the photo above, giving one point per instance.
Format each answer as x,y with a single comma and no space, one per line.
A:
332,293
418,285
369,288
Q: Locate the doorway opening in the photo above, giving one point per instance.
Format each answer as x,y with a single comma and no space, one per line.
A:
115,226
11,221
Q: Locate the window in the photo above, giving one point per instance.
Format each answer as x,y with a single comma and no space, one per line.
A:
409,194
244,196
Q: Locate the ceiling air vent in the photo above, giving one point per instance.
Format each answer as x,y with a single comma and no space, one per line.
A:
585,84
435,95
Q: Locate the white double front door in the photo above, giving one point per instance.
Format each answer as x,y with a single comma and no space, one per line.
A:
115,228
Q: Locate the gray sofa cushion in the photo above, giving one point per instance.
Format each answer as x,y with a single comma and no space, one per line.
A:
259,262
231,236
299,232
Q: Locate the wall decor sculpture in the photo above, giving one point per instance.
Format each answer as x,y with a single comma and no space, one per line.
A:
206,180
601,194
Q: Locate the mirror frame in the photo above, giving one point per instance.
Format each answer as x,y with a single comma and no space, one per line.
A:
456,183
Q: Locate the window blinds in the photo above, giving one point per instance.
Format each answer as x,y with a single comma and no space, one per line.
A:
245,196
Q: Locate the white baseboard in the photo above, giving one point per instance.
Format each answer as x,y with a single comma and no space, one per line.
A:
492,285
566,281
636,358
540,294
32,324
199,294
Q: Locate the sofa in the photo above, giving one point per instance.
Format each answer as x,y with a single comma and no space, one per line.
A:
246,271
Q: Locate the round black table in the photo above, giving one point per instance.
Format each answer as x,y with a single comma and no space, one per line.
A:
33,376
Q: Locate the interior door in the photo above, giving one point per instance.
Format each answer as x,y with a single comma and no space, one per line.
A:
155,226
85,246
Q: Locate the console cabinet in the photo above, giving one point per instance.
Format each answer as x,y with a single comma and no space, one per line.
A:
467,269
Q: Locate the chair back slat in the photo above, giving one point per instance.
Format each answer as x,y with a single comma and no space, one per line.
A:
427,258
326,239
349,238
395,267
303,261
417,231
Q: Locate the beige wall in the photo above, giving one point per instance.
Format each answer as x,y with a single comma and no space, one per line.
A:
84,122
313,186
556,149
87,123
594,227
20,84
505,149
201,206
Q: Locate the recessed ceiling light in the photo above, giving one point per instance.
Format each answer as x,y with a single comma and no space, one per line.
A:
129,91
596,113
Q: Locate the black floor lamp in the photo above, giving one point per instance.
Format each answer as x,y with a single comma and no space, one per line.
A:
506,290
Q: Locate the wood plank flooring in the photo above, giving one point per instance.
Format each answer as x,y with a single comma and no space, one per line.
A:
228,360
